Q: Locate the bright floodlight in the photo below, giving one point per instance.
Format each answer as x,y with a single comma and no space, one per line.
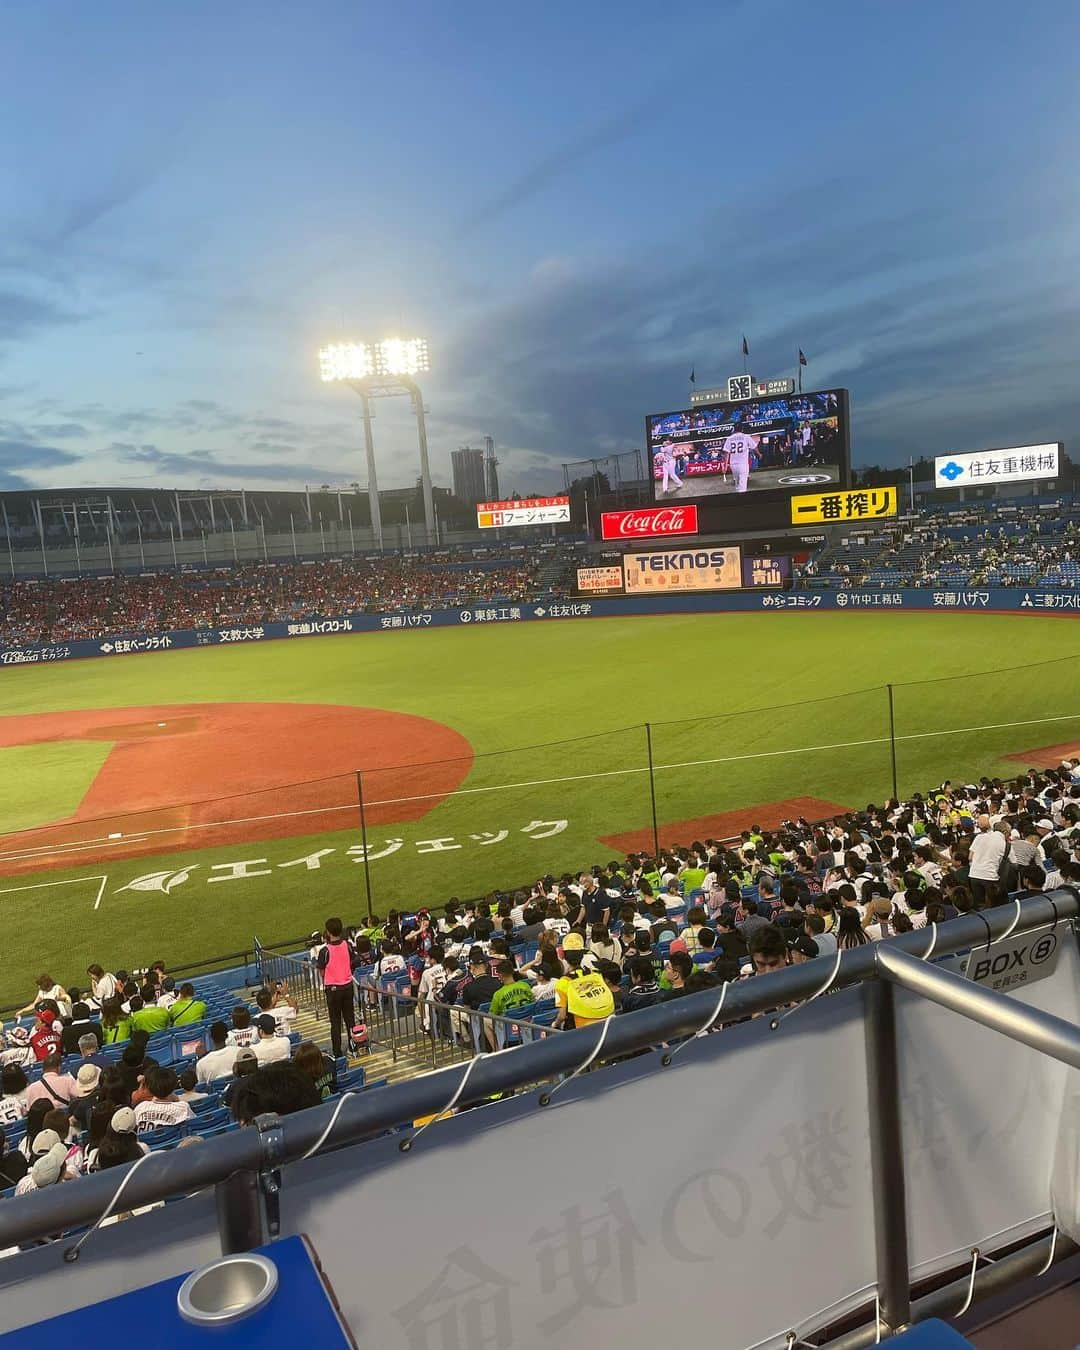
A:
401,356
360,360
346,361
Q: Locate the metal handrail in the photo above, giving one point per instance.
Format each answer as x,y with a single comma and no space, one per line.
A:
41,1213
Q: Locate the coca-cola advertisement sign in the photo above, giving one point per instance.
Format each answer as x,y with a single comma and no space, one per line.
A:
648,522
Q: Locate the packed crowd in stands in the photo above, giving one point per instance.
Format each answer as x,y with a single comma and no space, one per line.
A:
1001,545
93,607
97,1076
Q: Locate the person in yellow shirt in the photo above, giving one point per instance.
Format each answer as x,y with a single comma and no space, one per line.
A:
582,997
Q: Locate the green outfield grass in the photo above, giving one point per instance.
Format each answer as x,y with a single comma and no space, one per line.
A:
786,706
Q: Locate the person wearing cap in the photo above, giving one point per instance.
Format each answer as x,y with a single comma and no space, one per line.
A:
575,942
81,1024
17,1048
479,988
86,1095
53,1086
270,1046
48,1167
118,1145
45,1037
582,996
164,1108
246,1063
802,949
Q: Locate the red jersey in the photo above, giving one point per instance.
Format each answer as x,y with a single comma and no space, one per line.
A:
44,1043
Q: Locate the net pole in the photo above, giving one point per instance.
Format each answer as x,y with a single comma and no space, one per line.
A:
364,840
892,741
652,791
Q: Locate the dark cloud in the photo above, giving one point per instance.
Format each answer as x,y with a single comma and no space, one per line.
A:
28,455
208,464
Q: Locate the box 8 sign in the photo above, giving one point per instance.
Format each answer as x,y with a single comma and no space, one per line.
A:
600,580
997,466
675,570
525,511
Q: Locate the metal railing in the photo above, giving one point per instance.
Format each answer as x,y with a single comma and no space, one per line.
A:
298,974
425,1030
235,1161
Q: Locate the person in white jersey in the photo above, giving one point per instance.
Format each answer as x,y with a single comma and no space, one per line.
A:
737,447
667,466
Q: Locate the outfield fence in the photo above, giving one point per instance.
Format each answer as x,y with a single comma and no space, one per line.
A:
421,832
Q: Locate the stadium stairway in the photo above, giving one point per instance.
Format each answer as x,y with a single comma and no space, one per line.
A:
377,1063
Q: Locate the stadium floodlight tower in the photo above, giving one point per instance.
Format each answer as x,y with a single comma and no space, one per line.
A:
384,369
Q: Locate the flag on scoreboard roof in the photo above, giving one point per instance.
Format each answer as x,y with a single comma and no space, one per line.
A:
745,346
802,358
693,379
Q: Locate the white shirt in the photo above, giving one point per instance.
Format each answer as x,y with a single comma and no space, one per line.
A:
269,1049
737,447
12,1109
157,1115
987,851
284,1015
216,1064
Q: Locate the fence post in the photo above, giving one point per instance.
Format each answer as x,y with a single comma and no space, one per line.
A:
363,836
652,791
887,1154
892,742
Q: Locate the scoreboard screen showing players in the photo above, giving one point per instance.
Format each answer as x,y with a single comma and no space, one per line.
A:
769,448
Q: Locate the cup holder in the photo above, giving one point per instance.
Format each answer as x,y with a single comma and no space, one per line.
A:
226,1290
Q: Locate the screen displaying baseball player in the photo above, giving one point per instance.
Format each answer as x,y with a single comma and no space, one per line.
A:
779,445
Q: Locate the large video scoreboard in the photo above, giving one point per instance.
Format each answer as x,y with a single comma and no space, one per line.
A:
741,462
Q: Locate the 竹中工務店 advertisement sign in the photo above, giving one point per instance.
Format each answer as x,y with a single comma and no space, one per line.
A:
691,569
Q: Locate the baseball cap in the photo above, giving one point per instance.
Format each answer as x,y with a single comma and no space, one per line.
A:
43,1141
1044,824
573,942
678,945
87,1079
477,957
805,945
47,1016
49,1168
245,1056
123,1121
266,1023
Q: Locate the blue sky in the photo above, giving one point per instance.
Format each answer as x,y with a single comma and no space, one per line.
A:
575,203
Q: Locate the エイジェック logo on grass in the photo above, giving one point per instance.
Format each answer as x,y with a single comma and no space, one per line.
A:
165,882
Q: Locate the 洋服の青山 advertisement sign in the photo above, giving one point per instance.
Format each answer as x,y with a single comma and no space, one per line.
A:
644,523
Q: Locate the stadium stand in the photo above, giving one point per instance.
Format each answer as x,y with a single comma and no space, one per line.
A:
90,607
995,544
999,544
97,1076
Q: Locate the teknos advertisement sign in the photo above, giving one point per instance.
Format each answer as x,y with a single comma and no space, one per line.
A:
649,521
